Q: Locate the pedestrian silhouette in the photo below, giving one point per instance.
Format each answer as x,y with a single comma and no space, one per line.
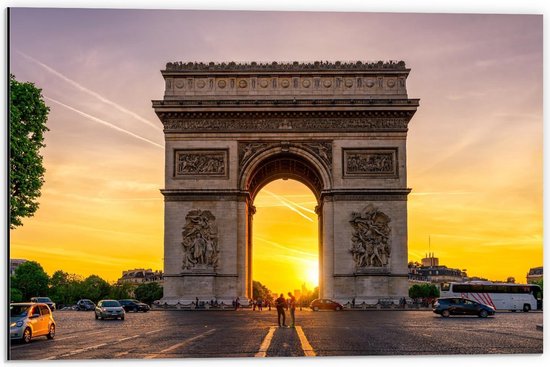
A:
280,304
292,308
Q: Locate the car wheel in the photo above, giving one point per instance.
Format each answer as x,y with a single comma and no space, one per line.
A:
51,334
483,313
445,313
122,317
315,308
27,336
526,308
338,308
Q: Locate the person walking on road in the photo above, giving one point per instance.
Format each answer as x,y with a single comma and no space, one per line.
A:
292,308
280,304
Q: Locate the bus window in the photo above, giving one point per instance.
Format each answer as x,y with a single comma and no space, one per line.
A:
445,286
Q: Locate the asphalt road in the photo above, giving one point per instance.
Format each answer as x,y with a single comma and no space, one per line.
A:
200,334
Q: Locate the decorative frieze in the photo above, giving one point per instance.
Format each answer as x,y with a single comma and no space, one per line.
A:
200,163
370,162
294,124
200,241
371,240
320,149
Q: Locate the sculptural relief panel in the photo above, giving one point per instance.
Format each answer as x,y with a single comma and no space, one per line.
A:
369,162
200,241
371,240
200,163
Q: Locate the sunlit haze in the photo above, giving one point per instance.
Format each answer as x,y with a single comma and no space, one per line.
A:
474,148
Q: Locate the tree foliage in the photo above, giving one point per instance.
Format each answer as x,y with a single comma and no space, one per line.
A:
28,116
95,288
260,291
423,291
148,292
31,280
121,291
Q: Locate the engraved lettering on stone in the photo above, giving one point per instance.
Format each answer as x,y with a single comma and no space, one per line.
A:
365,163
193,163
370,242
200,240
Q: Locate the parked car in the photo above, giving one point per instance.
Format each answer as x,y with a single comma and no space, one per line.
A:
325,304
45,300
85,305
109,309
461,306
134,305
30,320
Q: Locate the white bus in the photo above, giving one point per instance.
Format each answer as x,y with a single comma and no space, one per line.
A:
502,296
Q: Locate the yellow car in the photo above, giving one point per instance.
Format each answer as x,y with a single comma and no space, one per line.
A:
29,320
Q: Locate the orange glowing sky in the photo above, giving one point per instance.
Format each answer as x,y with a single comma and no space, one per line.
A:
474,147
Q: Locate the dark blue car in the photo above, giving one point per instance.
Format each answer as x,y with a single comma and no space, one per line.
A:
462,306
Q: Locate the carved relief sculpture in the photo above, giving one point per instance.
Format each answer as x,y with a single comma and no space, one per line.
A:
200,163
370,162
200,241
371,247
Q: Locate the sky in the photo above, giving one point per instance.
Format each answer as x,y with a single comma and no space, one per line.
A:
474,148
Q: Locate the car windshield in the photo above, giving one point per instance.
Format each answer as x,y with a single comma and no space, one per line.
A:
110,304
19,310
43,299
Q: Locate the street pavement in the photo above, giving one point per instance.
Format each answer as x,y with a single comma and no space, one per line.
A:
245,333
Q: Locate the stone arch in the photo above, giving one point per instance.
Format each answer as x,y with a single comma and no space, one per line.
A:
294,163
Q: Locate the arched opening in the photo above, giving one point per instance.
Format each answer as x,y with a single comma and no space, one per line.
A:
285,253
287,171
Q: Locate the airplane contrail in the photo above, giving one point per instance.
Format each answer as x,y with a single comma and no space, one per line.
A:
106,123
291,202
90,92
289,205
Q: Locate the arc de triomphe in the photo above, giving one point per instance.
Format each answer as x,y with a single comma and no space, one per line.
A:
339,128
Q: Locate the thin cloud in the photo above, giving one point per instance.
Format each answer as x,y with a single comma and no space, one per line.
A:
291,205
90,92
105,123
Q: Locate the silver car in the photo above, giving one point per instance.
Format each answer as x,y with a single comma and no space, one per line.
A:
109,309
29,320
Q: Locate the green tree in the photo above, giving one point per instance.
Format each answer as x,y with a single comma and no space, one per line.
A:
65,288
148,292
28,116
261,291
423,291
15,295
30,279
95,288
121,291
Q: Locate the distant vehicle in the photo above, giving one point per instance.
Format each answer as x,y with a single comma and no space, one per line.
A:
30,320
109,309
325,304
501,296
461,306
85,305
45,300
134,305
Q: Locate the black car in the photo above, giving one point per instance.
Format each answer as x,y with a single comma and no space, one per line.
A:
461,306
325,304
134,305
85,305
45,300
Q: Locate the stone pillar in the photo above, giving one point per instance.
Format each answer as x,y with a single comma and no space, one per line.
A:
327,251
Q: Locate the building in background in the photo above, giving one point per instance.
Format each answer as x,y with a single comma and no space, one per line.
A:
14,264
535,274
429,271
139,276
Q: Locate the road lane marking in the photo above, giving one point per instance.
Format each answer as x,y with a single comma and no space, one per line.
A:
308,350
99,345
262,352
175,346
